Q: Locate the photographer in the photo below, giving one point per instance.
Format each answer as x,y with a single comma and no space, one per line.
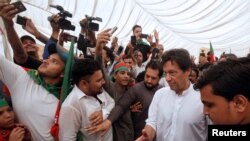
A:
86,37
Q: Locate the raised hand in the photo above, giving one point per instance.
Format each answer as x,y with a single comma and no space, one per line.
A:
7,12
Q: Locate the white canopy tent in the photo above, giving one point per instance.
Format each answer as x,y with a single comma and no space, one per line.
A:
189,24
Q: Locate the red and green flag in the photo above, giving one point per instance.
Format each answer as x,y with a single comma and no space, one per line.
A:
212,59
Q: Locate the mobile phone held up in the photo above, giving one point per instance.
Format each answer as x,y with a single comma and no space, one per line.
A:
19,6
144,35
21,20
113,30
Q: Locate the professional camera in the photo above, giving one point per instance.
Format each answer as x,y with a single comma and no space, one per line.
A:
86,40
62,22
89,24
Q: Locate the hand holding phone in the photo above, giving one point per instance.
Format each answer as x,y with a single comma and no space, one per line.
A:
19,6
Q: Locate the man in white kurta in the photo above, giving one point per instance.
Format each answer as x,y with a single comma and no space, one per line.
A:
177,117
176,111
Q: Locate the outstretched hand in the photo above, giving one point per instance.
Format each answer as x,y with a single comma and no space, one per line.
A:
102,39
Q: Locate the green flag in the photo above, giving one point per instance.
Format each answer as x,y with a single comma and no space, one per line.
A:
66,87
211,53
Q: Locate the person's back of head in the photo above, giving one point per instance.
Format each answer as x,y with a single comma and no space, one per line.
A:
227,56
228,78
140,77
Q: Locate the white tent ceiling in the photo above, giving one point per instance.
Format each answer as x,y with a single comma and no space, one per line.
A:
189,24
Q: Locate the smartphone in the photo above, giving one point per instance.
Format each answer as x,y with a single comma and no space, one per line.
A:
133,40
119,50
21,20
19,6
144,35
113,30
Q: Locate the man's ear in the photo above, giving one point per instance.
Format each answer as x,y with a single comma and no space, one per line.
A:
240,103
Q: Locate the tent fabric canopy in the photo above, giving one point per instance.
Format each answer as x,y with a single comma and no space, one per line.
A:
189,24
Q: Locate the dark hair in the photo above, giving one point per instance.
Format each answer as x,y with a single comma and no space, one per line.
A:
140,77
195,69
227,78
27,37
109,54
180,56
228,56
205,66
155,65
83,69
135,26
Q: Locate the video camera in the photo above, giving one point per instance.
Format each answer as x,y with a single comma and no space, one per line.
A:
91,25
85,42
62,22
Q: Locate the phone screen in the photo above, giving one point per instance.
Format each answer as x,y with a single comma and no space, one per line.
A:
21,20
144,35
19,6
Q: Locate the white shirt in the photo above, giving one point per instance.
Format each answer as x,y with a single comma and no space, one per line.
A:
34,106
177,117
75,113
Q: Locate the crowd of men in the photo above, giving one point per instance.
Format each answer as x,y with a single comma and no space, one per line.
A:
137,93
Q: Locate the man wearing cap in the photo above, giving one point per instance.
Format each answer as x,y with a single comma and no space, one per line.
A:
35,94
24,49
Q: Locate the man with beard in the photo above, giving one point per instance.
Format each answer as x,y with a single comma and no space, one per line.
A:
86,104
139,95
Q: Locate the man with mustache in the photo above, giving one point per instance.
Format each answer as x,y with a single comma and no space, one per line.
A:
141,94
